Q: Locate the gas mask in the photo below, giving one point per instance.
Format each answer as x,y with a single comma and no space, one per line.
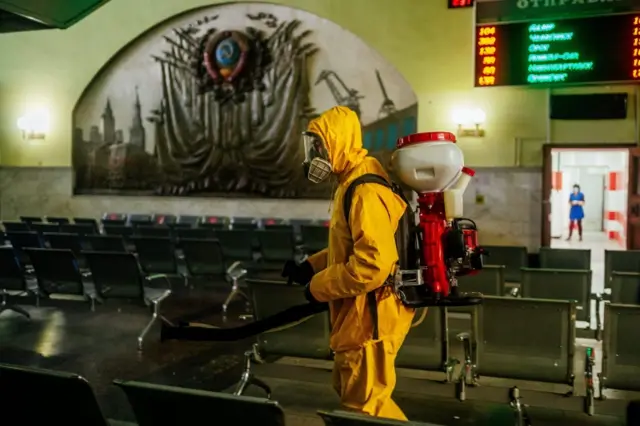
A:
316,164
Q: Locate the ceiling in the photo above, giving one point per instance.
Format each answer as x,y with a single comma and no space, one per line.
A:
30,15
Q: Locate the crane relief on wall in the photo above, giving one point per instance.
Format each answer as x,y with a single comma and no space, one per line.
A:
217,111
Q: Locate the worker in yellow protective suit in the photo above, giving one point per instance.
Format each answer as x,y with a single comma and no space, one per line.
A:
360,258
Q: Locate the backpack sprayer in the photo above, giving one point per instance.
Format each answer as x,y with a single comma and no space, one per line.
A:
443,245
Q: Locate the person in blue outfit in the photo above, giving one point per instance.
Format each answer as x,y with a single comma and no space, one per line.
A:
576,212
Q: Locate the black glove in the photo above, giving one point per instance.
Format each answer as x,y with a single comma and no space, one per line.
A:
298,273
308,295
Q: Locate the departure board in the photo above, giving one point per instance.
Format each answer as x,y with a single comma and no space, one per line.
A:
556,52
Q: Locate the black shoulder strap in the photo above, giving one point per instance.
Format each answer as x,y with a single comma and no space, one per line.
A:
348,194
372,302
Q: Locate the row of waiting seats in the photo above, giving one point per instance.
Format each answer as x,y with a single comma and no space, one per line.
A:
151,404
513,338
514,258
242,242
563,274
57,274
172,221
259,249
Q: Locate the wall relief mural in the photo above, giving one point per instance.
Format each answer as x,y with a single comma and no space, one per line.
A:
213,103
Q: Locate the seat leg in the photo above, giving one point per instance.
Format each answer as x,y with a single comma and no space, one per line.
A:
243,383
5,306
17,309
261,384
235,291
247,379
152,321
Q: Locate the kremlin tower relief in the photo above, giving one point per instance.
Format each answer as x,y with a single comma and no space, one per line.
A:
109,161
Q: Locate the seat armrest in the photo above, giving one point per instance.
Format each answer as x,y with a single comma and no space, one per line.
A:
156,295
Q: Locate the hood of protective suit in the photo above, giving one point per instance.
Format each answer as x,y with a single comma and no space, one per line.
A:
340,130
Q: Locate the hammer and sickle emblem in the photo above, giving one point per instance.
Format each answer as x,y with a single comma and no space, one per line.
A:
226,51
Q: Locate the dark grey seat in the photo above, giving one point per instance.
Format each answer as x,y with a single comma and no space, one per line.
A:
248,223
139,219
309,339
190,220
42,228
194,233
237,245
15,226
21,387
560,284
203,258
64,241
163,219
88,221
426,346
276,245
58,220
118,275
58,273
120,230
512,257
79,228
172,406
275,223
621,347
527,339
12,280
23,240
625,288
297,227
214,222
314,237
551,258
114,219
297,223
112,243
158,231
620,261
489,281
30,219
156,255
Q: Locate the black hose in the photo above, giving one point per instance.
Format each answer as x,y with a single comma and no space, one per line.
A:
199,333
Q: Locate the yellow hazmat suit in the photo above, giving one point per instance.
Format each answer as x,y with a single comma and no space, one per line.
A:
359,259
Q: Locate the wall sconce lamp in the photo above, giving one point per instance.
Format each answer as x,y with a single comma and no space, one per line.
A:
34,125
469,122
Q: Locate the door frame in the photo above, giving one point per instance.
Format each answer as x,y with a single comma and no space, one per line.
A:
547,167
633,200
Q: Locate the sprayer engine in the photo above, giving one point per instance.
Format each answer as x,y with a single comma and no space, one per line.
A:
462,254
446,243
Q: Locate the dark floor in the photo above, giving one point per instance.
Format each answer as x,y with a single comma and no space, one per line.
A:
101,346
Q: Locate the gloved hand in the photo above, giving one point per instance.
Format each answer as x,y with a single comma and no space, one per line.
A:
308,295
298,273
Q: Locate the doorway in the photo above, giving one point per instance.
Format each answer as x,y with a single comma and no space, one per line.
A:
599,176
602,174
